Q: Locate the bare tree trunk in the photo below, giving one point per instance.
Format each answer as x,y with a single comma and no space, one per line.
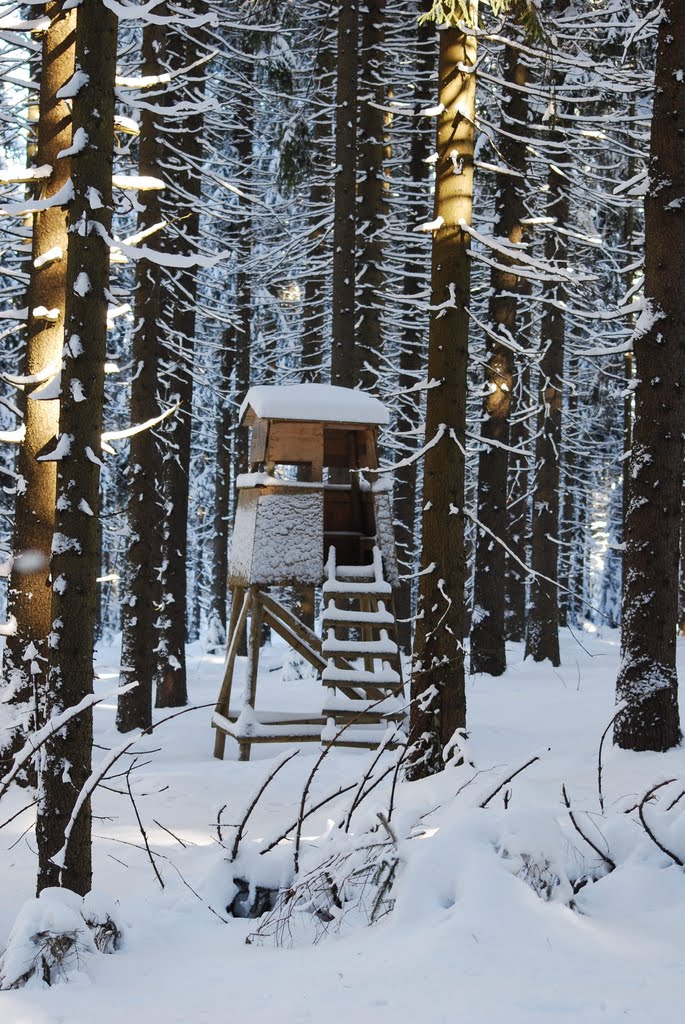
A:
542,632
144,551
568,553
29,597
487,629
343,354
315,287
647,679
438,693
243,142
412,350
517,510
184,151
681,585
222,487
65,760
628,362
373,203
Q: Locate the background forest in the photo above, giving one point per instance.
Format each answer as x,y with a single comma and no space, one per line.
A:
473,212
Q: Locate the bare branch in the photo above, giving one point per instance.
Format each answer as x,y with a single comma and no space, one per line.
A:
640,810
281,763
509,778
140,825
605,857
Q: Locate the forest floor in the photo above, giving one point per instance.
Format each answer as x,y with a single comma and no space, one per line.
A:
468,939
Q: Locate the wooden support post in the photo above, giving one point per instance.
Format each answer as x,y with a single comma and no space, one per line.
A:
294,624
393,632
367,604
313,657
252,664
240,605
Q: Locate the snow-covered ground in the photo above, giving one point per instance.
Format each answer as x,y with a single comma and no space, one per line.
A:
468,939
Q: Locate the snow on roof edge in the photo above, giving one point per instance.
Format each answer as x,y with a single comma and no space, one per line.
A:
325,403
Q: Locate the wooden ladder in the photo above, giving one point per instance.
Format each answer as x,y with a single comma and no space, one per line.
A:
363,675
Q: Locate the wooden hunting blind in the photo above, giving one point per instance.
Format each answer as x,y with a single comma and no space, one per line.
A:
313,512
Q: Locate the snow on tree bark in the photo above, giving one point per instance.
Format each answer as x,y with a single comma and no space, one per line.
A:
542,627
343,356
488,629
647,678
437,688
184,150
25,658
222,497
65,759
144,550
314,312
411,360
372,193
518,513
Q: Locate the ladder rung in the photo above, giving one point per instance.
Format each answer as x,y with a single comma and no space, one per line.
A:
339,618
376,691
355,572
359,648
349,714
379,591
386,677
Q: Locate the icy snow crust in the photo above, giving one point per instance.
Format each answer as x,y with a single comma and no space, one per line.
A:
468,939
314,402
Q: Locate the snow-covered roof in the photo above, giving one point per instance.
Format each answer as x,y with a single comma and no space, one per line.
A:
323,403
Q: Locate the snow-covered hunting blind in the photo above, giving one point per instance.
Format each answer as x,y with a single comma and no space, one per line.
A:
306,489
312,510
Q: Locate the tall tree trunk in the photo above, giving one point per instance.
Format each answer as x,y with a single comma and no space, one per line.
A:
542,631
373,203
647,679
567,549
29,597
343,354
243,142
66,758
681,585
183,159
487,629
222,489
144,550
517,511
412,350
437,688
628,367
315,287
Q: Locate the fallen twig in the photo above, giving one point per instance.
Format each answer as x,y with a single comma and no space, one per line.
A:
386,825
255,800
619,708
327,746
356,800
509,778
311,810
219,833
189,886
172,834
605,857
395,779
140,826
676,800
376,782
640,810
